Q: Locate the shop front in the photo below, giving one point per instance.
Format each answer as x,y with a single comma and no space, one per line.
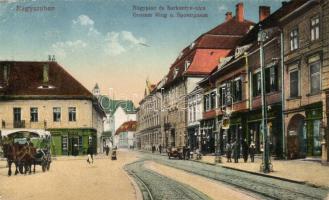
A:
193,135
254,131
207,136
314,134
72,141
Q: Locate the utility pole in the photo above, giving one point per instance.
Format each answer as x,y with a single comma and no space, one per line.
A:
266,165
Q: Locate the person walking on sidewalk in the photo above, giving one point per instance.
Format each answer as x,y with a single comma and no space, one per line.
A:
245,150
228,152
252,150
107,150
235,151
90,152
160,148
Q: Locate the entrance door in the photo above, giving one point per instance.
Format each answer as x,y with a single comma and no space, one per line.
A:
74,146
297,138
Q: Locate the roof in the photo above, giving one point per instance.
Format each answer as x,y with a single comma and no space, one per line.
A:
25,78
251,37
127,126
204,53
110,105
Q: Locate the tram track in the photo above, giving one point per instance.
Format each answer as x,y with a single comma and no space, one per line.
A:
154,186
267,188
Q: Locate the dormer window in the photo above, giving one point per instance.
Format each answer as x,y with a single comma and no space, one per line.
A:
46,87
192,45
187,64
175,72
180,55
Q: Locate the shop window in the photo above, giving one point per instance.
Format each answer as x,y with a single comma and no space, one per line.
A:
315,81
257,84
316,138
34,114
294,83
64,144
294,39
315,28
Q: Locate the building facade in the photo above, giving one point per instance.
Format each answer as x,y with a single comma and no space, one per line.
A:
306,79
148,119
125,135
43,96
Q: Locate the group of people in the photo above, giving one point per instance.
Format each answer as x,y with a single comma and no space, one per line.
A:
159,148
233,150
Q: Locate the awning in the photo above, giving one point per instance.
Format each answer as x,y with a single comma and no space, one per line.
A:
24,132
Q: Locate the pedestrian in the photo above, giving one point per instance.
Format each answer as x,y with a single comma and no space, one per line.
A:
153,148
228,152
245,150
160,148
252,150
90,152
235,151
107,150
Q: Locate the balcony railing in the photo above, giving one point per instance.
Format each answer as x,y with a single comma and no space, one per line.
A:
19,124
23,124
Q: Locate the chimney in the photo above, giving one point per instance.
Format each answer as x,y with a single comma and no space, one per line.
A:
228,16
239,12
45,73
284,3
264,12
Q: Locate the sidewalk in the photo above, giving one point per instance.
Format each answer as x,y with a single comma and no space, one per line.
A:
309,172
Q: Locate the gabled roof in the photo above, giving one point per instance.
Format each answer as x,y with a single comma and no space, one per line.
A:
25,78
110,106
129,126
223,37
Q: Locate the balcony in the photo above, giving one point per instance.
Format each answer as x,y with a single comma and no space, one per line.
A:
19,124
23,124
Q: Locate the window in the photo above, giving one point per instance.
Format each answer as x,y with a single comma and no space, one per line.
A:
315,28
206,102
257,83
213,100
190,113
34,114
237,90
56,114
17,114
271,79
222,95
294,39
315,80
64,144
294,83
72,114
194,112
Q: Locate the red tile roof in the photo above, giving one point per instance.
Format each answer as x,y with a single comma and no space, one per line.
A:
215,44
25,79
127,126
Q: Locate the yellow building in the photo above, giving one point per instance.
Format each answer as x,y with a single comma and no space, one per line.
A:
38,96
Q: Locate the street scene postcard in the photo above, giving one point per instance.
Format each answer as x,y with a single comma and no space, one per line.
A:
164,99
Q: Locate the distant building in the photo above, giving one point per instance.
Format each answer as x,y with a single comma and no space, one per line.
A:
148,119
117,112
125,135
43,96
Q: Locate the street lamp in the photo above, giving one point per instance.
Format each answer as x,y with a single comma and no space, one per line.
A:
266,166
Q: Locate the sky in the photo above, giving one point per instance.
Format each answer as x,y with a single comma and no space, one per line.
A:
115,43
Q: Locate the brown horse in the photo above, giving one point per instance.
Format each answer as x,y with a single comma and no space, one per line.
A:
9,151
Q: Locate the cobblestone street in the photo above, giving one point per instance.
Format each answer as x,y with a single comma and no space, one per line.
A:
151,176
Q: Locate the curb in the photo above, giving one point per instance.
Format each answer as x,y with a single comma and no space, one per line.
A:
268,176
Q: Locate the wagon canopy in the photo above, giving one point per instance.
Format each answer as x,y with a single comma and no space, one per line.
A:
25,133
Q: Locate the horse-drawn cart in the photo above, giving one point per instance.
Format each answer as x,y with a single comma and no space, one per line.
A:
174,152
25,148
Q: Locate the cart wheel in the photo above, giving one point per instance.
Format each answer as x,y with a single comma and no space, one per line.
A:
48,166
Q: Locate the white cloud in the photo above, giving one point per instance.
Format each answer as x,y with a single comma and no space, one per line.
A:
84,20
120,42
61,49
223,8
